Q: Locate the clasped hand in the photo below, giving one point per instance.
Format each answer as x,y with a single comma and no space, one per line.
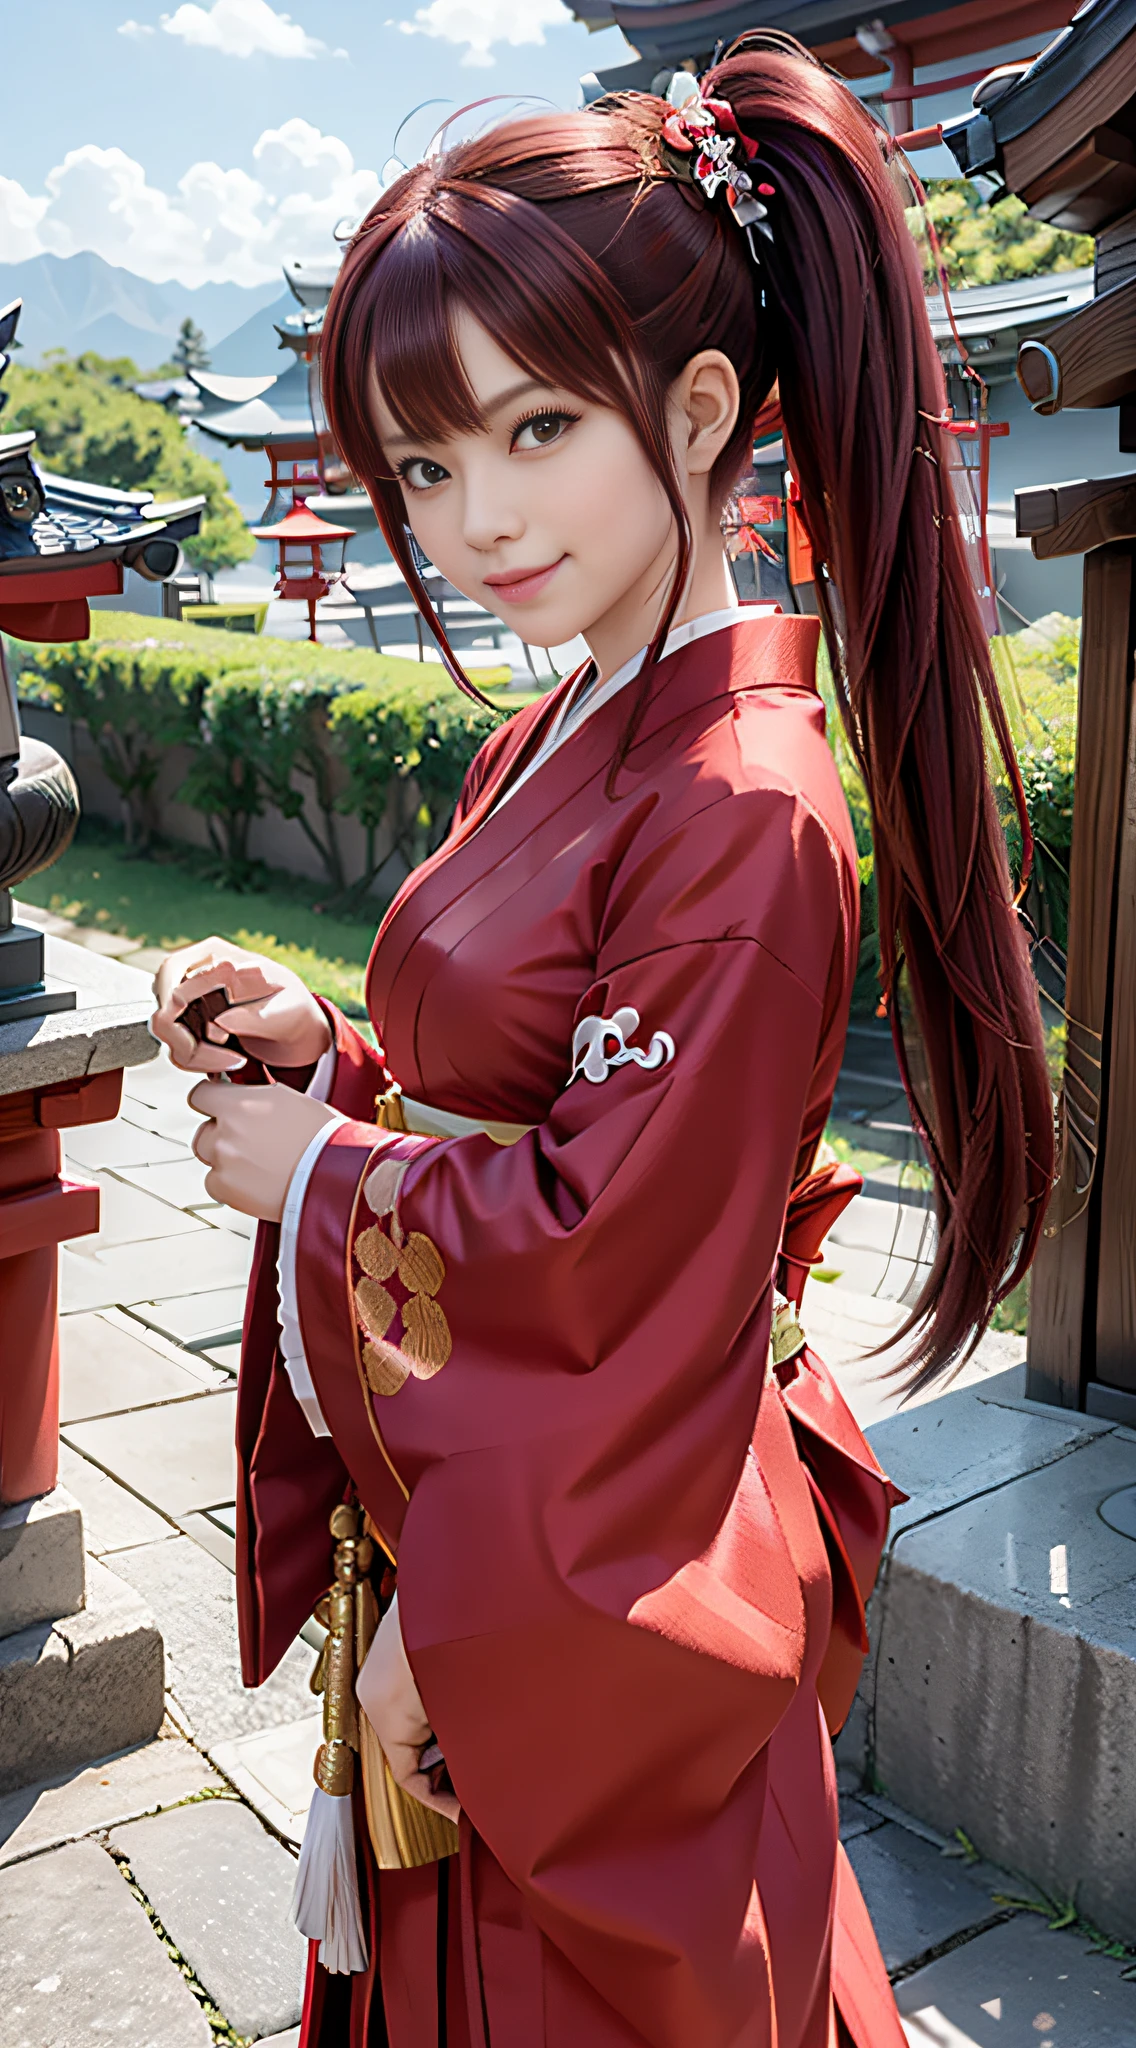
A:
253,1138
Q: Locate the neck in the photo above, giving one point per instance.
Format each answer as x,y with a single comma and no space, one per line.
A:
634,621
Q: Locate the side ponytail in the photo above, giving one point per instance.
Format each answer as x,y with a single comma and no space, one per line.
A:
607,274
862,391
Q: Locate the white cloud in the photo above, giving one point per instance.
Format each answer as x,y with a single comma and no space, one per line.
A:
20,216
217,225
135,30
242,28
481,23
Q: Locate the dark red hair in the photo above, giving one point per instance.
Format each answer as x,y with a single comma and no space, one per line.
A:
605,275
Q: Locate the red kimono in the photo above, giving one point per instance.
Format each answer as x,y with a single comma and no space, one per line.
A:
632,1553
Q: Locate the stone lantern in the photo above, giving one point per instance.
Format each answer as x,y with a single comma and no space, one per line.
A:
81,1667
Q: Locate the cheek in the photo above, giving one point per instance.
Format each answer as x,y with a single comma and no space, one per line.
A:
614,512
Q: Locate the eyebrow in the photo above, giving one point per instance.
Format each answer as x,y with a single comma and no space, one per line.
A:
503,399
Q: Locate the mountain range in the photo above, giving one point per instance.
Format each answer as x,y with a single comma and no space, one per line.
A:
82,302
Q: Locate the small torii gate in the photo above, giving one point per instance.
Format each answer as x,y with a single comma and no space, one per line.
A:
1061,133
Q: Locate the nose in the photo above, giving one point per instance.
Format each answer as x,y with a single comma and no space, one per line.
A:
491,512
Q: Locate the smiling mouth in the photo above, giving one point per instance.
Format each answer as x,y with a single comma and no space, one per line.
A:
516,586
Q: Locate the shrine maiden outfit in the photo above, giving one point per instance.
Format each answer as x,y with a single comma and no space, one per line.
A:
633,1539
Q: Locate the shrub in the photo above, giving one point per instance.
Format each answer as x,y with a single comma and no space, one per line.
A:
317,733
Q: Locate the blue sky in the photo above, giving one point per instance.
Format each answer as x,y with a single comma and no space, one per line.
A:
212,140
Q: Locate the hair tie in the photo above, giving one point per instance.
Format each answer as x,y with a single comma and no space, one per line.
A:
702,145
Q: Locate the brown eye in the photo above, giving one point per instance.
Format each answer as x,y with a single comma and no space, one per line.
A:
543,429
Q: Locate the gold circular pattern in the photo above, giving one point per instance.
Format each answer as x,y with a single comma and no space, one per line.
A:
420,1266
386,1371
426,1336
376,1254
375,1306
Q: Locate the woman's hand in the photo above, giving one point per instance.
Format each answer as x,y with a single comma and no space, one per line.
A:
275,1017
393,1705
253,1141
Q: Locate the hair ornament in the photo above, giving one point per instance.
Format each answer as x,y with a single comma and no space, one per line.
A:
704,146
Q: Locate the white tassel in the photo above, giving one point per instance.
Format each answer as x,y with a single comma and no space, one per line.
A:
325,1903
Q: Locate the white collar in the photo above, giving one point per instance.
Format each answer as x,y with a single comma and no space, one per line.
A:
574,712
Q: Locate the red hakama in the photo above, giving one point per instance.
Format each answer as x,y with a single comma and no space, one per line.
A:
632,1553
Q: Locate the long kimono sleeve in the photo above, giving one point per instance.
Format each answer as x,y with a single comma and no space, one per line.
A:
598,1593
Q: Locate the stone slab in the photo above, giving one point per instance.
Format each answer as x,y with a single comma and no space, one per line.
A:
289,2040
962,1444
108,1028
102,1795
1019,1986
1005,1690
916,1896
93,939
193,1598
174,1119
120,1144
84,1686
178,1457
79,1960
159,1083
193,1319
273,1771
218,1542
128,1215
892,1227
222,1889
181,1181
113,1518
106,1367
141,1272
41,1561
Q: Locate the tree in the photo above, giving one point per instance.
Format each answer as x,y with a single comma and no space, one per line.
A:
90,424
190,352
984,243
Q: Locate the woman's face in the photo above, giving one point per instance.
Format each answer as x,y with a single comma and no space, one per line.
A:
551,517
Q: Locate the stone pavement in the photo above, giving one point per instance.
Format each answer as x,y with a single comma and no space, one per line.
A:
147,1895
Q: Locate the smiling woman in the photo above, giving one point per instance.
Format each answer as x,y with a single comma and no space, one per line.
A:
532,1308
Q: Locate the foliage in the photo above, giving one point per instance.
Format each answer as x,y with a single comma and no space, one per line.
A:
91,425
993,243
190,352
135,708
312,732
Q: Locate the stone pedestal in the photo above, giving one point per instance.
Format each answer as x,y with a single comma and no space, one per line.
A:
1001,1690
81,1662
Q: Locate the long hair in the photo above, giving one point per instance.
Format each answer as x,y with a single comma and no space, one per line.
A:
605,275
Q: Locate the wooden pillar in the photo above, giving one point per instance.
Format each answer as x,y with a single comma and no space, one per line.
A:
1082,1329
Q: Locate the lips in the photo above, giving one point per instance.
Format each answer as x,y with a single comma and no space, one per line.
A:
520,586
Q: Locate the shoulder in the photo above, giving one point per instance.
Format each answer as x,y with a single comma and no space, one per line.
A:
742,833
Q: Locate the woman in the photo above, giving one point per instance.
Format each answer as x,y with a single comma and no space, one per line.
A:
526,1300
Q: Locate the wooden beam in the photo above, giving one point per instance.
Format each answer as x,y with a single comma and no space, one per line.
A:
1094,351
1116,1269
1069,519
1061,1354
1091,104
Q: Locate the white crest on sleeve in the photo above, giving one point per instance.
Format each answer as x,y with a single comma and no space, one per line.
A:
593,1036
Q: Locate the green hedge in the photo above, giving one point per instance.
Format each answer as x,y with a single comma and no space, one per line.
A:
316,733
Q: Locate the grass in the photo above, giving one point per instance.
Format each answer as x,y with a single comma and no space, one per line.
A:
170,899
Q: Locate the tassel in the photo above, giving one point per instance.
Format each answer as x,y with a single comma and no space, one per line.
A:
325,1903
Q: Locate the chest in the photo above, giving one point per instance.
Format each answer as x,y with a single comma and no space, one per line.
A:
478,973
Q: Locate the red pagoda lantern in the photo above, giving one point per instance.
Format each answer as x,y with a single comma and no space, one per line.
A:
304,539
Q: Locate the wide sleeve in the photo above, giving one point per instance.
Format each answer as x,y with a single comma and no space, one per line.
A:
556,1351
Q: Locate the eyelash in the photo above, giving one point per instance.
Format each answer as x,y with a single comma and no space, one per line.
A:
540,412
543,412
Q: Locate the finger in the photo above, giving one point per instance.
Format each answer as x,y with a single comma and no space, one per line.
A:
203,1144
211,1098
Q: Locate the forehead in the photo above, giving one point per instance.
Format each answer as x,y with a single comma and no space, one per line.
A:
493,379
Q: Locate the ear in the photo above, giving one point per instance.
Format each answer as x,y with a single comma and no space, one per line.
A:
703,403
